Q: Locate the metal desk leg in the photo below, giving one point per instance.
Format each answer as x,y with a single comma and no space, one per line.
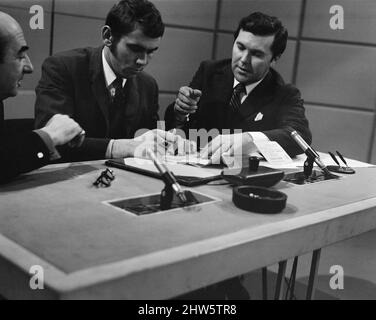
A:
280,279
312,275
292,278
264,283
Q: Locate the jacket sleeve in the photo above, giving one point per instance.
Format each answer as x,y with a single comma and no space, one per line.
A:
55,94
196,83
20,154
291,117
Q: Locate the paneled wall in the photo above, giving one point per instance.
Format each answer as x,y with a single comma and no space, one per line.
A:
334,69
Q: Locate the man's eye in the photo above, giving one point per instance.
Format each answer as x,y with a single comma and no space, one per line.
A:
136,49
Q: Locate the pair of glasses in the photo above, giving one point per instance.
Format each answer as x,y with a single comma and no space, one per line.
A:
105,178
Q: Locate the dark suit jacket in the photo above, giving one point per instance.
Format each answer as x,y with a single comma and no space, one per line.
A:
19,153
73,83
280,104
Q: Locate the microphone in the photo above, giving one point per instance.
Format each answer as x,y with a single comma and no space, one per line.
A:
309,151
168,176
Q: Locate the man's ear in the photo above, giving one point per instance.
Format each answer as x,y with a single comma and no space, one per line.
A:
274,61
107,36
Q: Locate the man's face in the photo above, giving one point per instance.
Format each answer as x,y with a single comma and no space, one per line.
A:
251,57
132,53
15,64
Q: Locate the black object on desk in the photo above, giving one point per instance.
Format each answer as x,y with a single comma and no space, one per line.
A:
263,176
339,168
183,180
150,204
258,199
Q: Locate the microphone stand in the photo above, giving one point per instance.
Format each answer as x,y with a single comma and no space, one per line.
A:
167,194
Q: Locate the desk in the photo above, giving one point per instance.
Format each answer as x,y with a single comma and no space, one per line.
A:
55,218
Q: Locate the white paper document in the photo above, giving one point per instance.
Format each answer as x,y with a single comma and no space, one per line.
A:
178,169
193,158
273,153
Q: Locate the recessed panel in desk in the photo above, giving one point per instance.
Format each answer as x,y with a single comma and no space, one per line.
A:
152,203
58,215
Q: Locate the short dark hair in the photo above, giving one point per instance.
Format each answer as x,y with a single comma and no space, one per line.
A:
125,16
261,24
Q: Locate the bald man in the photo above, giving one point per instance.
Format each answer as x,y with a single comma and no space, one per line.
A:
23,152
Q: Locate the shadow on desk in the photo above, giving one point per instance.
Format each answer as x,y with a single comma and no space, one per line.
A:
42,178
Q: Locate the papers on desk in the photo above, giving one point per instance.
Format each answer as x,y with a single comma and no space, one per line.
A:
178,169
192,159
273,153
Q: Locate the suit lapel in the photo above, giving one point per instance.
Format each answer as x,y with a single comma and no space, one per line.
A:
98,86
133,105
222,83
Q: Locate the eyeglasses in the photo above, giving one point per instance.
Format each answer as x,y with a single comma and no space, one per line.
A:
105,178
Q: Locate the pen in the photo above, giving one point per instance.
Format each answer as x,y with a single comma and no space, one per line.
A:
334,158
168,175
342,158
195,93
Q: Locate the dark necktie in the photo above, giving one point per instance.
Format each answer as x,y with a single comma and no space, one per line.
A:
235,98
117,110
118,100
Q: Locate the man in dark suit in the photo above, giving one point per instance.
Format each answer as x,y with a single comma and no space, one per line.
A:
105,89
26,151
244,93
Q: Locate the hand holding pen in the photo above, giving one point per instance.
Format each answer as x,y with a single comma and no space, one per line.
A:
186,102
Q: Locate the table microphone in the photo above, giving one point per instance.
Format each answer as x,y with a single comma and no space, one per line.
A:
168,176
309,151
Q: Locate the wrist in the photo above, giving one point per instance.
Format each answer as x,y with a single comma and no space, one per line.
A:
123,148
51,135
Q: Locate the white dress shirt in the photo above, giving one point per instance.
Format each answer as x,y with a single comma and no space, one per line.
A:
109,77
255,135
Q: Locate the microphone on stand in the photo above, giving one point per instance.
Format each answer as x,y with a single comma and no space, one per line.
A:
310,152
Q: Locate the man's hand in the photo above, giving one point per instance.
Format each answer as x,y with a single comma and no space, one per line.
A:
158,141
228,144
186,101
61,129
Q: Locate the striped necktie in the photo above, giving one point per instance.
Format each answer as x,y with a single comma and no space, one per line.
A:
235,99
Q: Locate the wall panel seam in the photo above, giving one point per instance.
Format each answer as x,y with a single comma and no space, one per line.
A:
340,107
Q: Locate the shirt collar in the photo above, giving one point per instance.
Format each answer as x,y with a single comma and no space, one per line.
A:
109,74
249,87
